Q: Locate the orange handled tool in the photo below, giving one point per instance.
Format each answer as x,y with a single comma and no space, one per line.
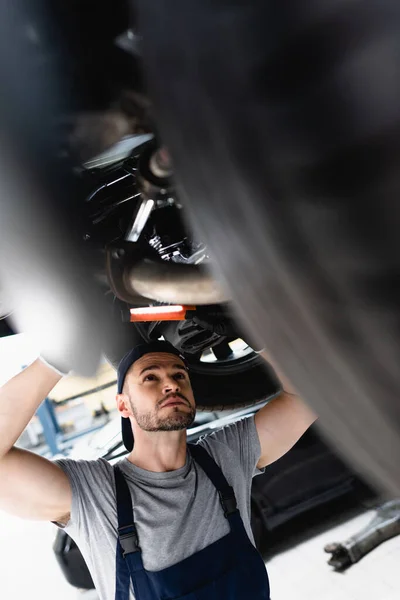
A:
161,313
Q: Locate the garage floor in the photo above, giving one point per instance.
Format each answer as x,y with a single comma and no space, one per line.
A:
298,567
302,573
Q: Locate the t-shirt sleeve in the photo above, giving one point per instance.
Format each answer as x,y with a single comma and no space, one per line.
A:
241,438
92,491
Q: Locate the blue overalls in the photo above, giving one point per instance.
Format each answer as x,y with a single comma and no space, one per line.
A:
229,569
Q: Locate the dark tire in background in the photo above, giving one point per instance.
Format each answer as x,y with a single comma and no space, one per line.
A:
285,131
221,385
5,328
72,562
216,390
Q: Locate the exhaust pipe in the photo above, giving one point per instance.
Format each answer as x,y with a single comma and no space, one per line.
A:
174,283
135,280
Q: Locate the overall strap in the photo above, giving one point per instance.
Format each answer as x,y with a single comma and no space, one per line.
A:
127,533
214,473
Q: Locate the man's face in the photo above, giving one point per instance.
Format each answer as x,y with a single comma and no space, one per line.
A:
159,393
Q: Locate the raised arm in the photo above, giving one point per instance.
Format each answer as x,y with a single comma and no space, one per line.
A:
30,486
281,422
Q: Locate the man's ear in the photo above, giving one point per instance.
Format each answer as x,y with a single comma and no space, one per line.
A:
123,405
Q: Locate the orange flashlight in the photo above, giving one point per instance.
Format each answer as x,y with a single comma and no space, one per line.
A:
160,313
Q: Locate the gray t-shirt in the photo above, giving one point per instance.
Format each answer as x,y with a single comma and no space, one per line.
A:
177,513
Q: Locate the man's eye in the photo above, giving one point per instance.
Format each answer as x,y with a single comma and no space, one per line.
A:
150,378
179,376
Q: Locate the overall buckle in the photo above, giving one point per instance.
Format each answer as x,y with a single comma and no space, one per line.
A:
228,501
128,538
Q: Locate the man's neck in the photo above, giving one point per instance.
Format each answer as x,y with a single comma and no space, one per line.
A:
159,451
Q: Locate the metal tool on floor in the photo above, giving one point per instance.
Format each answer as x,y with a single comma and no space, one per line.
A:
385,525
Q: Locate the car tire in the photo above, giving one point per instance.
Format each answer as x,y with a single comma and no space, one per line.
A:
284,129
216,386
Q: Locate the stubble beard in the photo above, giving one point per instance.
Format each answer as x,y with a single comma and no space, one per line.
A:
150,421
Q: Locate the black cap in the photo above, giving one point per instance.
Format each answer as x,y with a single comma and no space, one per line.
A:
131,357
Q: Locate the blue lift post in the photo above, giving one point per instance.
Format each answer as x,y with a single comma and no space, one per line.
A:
51,429
58,442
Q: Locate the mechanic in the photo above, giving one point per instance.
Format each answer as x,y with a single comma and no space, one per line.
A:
171,520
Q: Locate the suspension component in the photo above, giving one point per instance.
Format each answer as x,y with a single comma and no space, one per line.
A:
155,185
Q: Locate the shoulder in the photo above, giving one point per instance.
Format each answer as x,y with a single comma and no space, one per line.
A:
93,488
86,470
234,440
233,435
235,444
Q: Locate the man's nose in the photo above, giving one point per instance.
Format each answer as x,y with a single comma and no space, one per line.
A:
170,385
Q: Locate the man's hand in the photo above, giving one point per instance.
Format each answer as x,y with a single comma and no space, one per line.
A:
281,422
